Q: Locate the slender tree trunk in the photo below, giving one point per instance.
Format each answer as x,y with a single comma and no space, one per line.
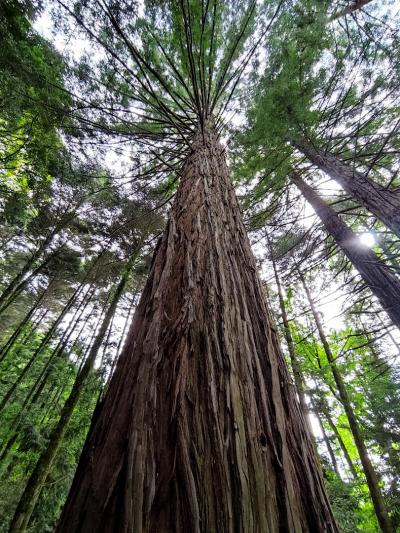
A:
39,349
383,203
382,283
131,309
22,325
320,405
42,469
58,351
18,282
325,411
369,471
24,283
4,452
296,368
8,292
325,438
200,429
353,6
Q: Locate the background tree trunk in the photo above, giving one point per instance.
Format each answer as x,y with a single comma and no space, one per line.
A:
383,203
325,438
200,429
42,469
296,367
369,471
6,296
324,409
382,283
353,6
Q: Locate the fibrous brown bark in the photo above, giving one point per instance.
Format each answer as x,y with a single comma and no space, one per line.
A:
200,429
376,275
377,199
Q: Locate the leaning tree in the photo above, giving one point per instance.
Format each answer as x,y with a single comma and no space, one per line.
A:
200,429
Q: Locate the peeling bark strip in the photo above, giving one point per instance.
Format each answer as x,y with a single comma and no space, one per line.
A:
375,273
200,430
381,202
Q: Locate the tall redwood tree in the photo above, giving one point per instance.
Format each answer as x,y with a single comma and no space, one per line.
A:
200,429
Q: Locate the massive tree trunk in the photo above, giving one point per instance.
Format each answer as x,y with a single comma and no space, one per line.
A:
200,429
369,471
376,275
381,202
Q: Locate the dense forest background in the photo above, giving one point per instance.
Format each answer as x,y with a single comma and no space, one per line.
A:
310,123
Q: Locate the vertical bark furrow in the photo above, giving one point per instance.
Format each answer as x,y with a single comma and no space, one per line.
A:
217,440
